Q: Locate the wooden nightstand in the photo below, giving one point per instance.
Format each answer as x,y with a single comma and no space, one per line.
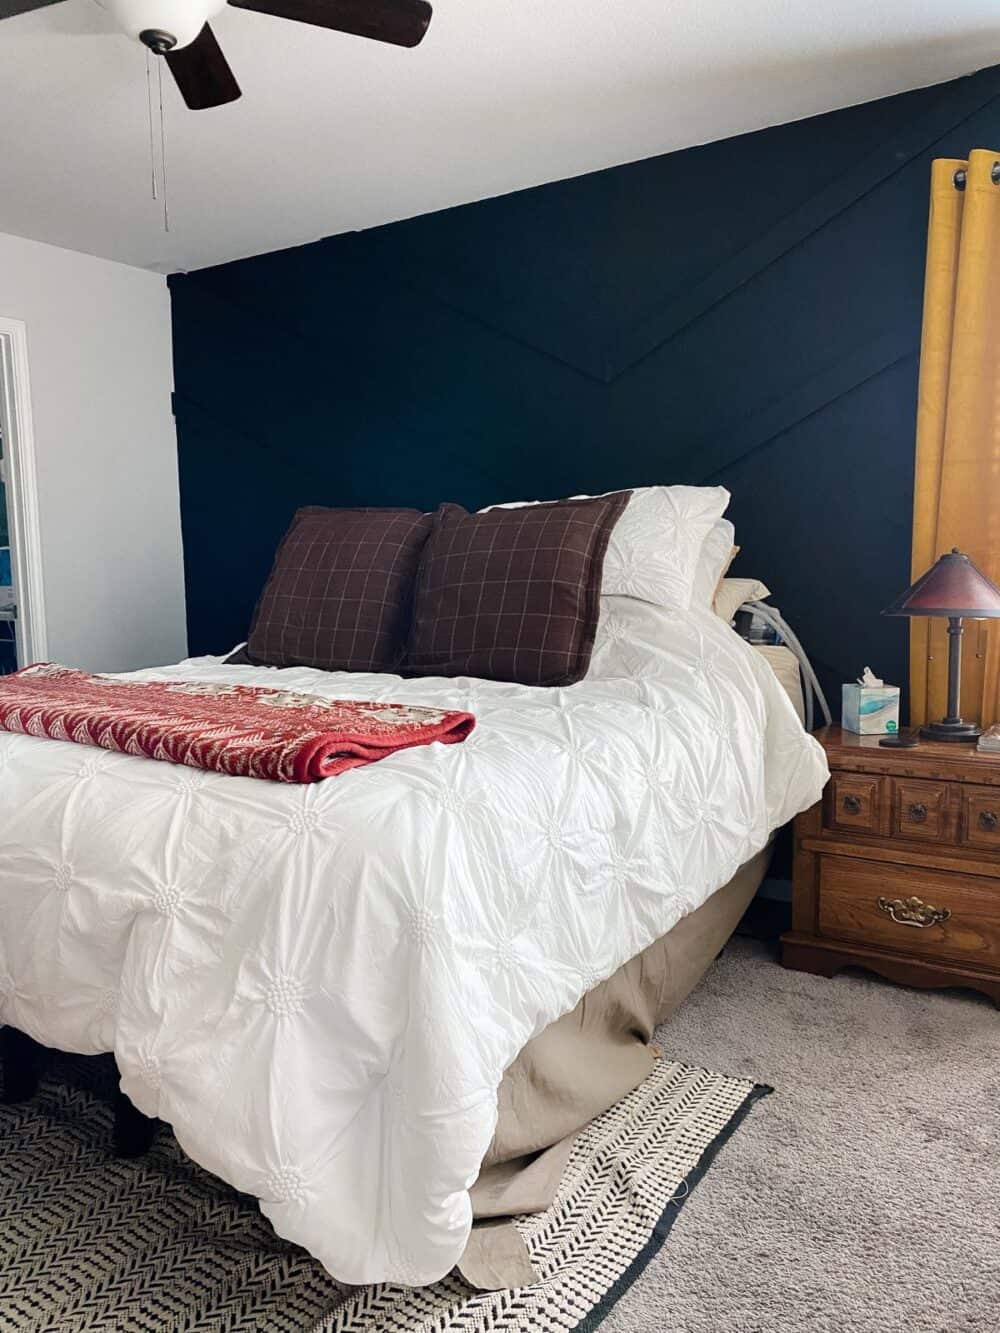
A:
897,868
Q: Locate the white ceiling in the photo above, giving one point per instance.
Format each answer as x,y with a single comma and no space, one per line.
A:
334,133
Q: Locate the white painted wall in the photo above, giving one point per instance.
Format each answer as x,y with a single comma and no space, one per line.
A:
101,367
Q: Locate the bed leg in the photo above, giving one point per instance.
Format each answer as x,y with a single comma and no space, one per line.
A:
134,1132
20,1056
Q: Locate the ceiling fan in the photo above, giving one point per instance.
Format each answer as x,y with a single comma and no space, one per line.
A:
179,31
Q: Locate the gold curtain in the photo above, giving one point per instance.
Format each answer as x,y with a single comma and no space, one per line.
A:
957,485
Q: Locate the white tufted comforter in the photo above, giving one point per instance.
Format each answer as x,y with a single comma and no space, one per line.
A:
320,988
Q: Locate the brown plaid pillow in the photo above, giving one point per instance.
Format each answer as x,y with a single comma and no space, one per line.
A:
340,593
512,594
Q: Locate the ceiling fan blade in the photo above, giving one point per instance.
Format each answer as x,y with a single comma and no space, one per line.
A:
10,8
202,72
402,22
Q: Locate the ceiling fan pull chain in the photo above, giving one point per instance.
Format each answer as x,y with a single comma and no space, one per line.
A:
163,144
149,112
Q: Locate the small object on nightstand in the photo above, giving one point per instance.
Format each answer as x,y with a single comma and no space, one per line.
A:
897,868
955,588
900,740
870,707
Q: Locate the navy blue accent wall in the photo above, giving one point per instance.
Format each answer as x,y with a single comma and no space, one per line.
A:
747,312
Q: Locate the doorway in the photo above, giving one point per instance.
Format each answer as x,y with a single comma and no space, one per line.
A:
22,615
8,606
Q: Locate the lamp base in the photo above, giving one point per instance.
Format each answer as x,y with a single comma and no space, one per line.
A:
958,731
899,740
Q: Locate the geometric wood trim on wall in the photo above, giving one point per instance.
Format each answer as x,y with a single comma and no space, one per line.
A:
625,348
745,312
712,455
885,161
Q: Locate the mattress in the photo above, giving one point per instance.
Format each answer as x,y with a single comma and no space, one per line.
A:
321,988
785,666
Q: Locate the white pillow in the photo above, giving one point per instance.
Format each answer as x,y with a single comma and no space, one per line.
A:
734,592
655,545
716,556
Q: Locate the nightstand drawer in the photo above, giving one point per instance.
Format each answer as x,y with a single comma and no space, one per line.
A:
922,810
929,913
981,817
852,803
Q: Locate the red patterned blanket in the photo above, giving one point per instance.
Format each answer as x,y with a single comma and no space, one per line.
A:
242,730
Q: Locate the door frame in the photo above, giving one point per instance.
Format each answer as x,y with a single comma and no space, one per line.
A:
22,492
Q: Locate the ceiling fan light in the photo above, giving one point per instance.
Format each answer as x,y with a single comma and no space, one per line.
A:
181,19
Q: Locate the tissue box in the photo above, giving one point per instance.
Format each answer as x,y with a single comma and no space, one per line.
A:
870,710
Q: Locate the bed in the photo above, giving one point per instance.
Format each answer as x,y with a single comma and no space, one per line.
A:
361,1001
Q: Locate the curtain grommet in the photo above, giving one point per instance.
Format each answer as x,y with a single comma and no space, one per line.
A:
961,176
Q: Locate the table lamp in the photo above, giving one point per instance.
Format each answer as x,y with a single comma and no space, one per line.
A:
955,588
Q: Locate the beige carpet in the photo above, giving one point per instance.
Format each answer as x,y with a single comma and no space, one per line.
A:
866,1198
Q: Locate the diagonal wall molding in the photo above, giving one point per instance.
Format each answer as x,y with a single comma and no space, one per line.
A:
707,458
890,158
490,354
624,349
627,348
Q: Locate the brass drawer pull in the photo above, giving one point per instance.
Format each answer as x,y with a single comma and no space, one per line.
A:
852,804
913,912
918,812
987,821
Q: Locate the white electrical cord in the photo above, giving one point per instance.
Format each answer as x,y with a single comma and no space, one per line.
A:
811,689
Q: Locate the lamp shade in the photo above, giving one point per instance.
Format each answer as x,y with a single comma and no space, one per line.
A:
952,587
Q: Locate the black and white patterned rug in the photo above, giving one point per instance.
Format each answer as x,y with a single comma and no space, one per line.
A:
90,1243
